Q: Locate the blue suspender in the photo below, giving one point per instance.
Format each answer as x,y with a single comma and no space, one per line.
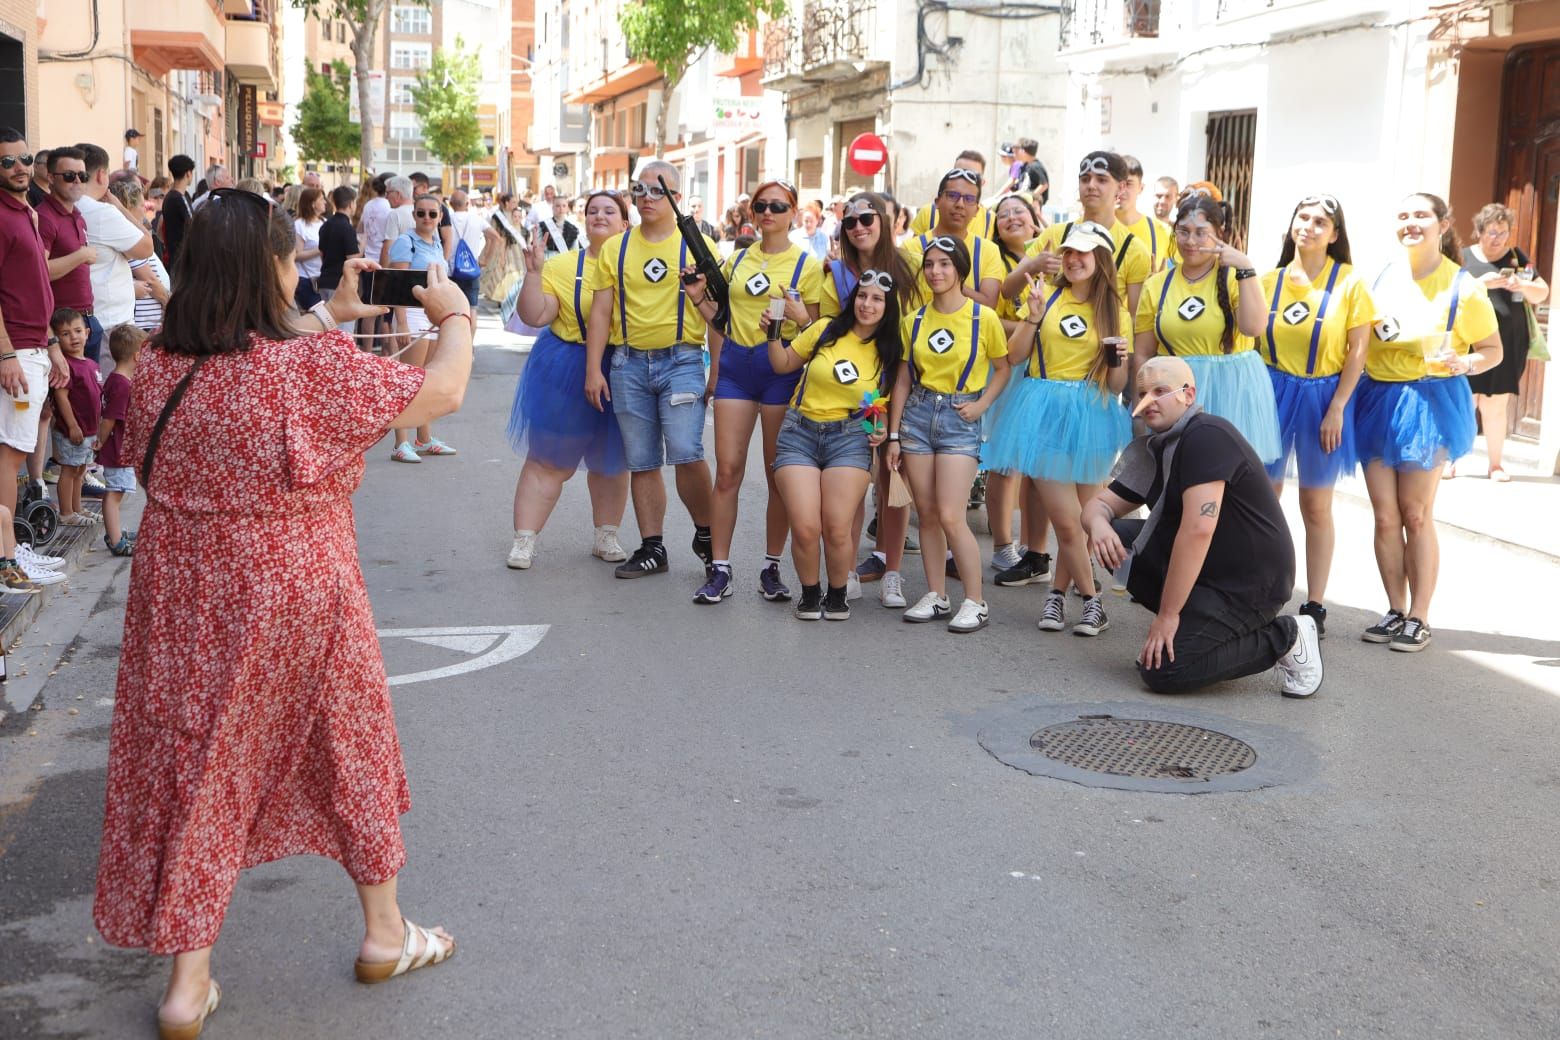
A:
623,287
1039,353
1321,315
737,262
796,274
915,333
1153,242
579,281
682,294
975,270
844,281
1278,291
969,366
1451,311
1164,292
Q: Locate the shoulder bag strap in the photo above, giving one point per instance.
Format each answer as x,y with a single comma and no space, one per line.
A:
162,420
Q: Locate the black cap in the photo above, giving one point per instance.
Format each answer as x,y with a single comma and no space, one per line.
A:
132,133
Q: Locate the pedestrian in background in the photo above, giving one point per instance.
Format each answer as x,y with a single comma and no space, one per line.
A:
118,239
338,242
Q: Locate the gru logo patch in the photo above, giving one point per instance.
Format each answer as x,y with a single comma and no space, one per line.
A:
1073,326
1388,330
1191,307
758,285
655,269
1296,312
845,372
940,341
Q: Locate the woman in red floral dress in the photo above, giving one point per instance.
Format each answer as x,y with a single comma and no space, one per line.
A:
252,719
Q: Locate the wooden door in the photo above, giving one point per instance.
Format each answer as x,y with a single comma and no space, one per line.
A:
1529,180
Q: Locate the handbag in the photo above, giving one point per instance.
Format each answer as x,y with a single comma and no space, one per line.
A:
1538,343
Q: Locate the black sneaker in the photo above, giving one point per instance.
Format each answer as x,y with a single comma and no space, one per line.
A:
835,608
646,560
809,606
1383,631
704,549
1094,620
951,569
1414,636
770,586
1316,612
872,529
1031,567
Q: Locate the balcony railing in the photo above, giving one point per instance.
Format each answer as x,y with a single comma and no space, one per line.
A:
830,39
1091,22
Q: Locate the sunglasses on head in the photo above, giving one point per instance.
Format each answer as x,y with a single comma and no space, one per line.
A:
239,194
1097,164
1327,202
944,242
959,173
653,191
881,279
866,219
76,177
762,206
8,161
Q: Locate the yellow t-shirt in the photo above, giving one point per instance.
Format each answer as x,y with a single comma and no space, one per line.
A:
1185,316
984,221
1133,264
1008,309
1338,294
1157,235
566,278
1412,316
946,348
756,277
1070,337
985,261
834,378
651,308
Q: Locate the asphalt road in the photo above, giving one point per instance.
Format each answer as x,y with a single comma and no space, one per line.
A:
667,820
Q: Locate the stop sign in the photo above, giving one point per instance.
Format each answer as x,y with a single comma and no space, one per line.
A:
867,154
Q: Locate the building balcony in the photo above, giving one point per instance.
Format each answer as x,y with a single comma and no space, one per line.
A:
175,34
251,58
610,84
1088,24
827,41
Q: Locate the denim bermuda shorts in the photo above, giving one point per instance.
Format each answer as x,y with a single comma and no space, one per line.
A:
119,478
658,398
821,445
929,425
68,454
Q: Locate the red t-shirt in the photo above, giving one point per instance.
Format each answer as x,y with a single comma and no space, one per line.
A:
63,233
26,299
116,406
85,394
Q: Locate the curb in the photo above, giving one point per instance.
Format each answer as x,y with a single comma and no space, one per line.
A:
17,613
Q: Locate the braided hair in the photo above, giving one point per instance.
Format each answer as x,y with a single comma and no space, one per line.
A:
1220,218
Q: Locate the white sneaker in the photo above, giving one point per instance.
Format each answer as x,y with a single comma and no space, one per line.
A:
892,592
1053,615
39,575
90,480
1301,667
930,607
1006,556
972,617
852,587
25,554
523,551
404,452
607,547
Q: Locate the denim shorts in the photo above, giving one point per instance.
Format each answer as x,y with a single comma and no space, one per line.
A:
821,445
658,398
68,454
745,375
119,478
929,425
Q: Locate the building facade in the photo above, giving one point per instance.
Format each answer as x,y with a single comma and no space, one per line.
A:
20,25
558,134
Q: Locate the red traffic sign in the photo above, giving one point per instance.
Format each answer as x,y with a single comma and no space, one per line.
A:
867,154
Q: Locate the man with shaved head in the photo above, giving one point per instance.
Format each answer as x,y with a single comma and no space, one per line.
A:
1214,560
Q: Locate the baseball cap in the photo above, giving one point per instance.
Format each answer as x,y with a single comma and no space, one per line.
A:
1086,236
132,133
1005,148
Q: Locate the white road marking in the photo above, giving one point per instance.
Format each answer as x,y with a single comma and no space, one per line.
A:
517,641
465,644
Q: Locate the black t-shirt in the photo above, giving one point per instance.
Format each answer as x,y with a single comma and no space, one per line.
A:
1510,311
337,242
175,220
1251,559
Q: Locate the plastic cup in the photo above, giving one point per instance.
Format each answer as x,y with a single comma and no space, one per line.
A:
777,308
1434,350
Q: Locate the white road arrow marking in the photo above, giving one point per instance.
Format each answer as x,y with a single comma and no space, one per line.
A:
516,641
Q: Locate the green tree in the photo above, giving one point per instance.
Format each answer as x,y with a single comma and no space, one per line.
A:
362,18
324,130
671,34
444,99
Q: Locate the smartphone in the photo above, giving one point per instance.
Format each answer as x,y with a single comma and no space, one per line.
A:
1508,272
385,288
691,277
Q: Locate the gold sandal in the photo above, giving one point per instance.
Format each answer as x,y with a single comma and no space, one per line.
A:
190,1030
436,950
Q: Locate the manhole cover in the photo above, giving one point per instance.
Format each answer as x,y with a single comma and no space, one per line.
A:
1143,748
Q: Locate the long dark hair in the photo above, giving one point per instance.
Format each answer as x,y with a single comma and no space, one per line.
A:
226,286
1220,217
1451,244
885,255
890,348
1339,250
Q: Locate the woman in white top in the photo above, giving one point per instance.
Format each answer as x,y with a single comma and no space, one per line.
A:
311,217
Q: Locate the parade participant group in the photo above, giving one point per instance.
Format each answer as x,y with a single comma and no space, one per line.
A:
1130,392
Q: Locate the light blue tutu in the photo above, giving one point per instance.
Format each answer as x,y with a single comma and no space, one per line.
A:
993,415
1236,387
552,421
1302,403
1417,425
1068,431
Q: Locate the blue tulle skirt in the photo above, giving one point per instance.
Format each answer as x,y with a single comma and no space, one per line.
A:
991,416
552,422
1062,430
1236,387
1302,404
1417,425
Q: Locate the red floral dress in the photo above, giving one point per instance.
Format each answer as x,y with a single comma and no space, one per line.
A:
252,719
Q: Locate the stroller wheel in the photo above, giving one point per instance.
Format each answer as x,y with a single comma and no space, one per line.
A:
43,520
24,533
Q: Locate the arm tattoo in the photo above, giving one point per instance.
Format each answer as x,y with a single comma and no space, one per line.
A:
1209,509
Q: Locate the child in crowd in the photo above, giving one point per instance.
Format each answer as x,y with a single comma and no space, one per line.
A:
124,343
76,409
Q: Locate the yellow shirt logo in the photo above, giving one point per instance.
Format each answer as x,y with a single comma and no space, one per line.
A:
1073,326
655,269
1296,312
845,372
940,341
1388,330
1191,307
758,285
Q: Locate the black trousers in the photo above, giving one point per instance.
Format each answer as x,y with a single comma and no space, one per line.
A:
1218,638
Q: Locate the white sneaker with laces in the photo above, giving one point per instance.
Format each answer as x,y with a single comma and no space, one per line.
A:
1004,557
892,592
972,617
607,547
404,452
930,607
523,551
91,480
26,554
1094,620
852,587
1301,667
1053,615
39,575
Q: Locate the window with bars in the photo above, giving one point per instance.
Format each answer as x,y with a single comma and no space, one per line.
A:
1232,146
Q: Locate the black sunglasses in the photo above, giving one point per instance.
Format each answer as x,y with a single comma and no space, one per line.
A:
771,207
73,176
426,213
8,161
865,220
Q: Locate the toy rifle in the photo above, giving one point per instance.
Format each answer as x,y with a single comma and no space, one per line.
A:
703,260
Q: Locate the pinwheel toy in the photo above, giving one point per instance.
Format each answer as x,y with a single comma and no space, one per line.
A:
874,410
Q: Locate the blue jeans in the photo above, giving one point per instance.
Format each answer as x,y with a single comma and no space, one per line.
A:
930,426
822,445
658,398
470,289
